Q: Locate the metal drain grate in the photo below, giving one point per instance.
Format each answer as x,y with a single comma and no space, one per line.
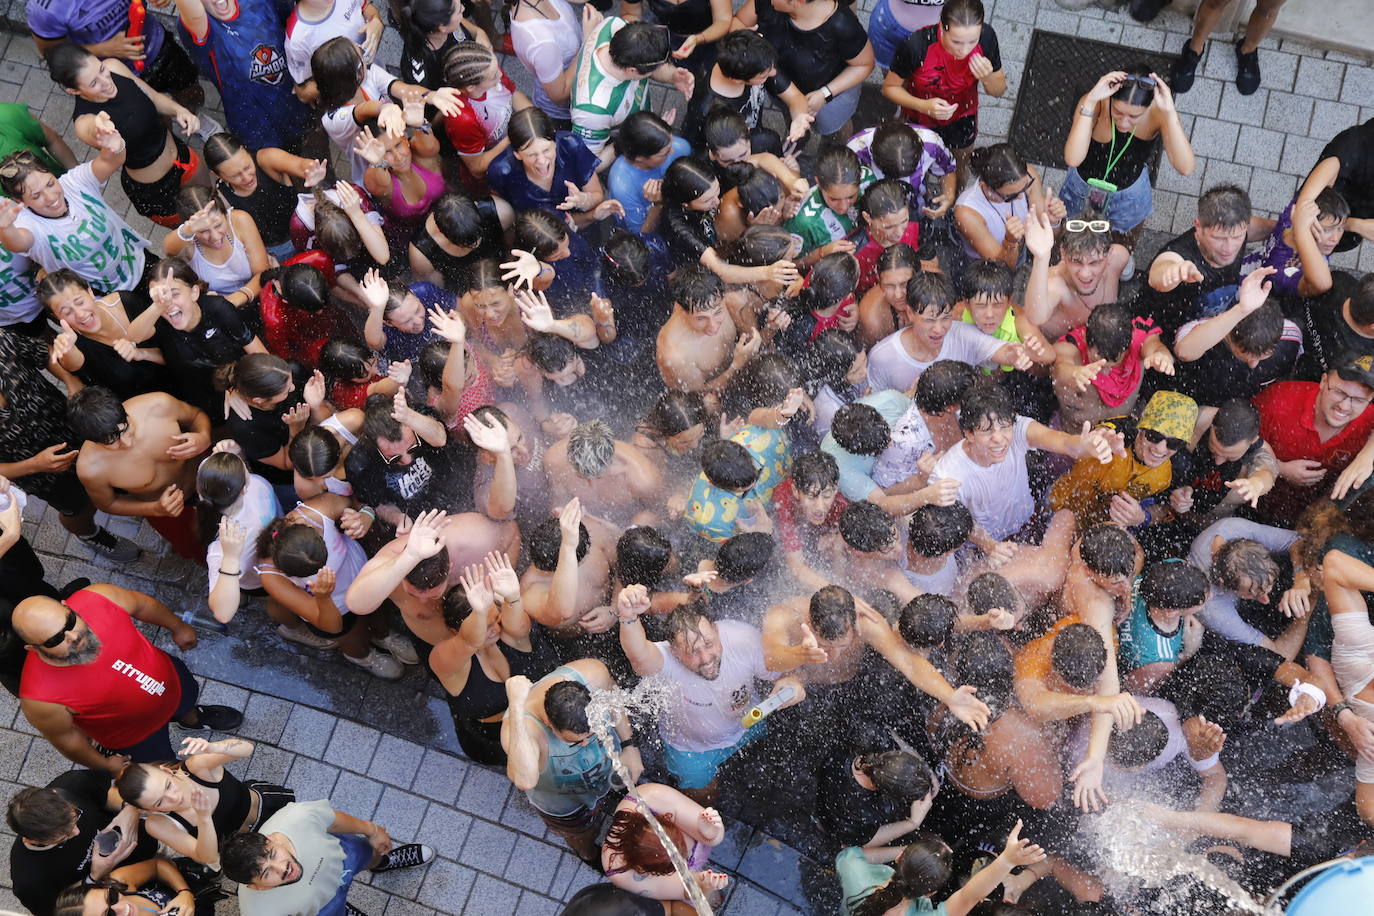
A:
1059,69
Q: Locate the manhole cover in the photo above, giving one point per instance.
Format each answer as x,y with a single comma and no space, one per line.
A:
1059,69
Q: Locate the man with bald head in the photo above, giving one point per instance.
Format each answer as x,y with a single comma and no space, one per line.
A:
92,682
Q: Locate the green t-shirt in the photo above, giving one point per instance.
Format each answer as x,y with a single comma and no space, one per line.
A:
20,130
860,877
819,225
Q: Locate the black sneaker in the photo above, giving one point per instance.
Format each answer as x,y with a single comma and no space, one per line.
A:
352,910
407,856
1185,69
1247,71
1146,10
108,544
214,719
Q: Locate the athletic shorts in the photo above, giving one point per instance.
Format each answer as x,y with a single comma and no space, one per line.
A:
158,200
959,134
696,769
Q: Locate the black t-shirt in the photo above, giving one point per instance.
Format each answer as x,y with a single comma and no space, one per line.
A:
193,356
848,812
1354,147
1218,376
1190,301
688,234
40,875
1326,333
749,104
262,435
106,368
437,478
812,59
1199,470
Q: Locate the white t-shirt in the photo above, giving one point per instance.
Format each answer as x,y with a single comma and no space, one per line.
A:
709,712
1122,781
999,497
90,239
546,47
910,440
940,582
341,127
17,300
891,366
303,36
256,512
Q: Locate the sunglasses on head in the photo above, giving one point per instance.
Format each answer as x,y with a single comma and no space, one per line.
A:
1142,80
1154,437
1088,225
17,163
53,642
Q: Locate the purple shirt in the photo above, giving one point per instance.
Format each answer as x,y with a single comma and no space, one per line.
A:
935,157
1281,256
88,22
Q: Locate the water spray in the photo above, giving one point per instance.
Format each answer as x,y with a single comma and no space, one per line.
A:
650,695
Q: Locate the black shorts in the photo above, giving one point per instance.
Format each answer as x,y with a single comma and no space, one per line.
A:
349,622
959,134
63,492
172,69
157,200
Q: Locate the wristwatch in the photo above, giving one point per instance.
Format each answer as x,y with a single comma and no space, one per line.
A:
1339,708
827,92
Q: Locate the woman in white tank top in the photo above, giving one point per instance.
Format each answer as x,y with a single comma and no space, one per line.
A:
221,244
991,213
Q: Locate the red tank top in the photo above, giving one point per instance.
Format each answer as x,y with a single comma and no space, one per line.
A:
942,76
126,694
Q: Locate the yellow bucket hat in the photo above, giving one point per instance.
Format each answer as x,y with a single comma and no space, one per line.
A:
1171,414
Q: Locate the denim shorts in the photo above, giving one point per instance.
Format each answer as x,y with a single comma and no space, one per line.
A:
885,33
837,111
1127,208
357,854
696,769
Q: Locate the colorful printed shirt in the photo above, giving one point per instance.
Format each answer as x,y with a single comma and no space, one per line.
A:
819,225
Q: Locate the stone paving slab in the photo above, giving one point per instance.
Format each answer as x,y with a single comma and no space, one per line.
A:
387,750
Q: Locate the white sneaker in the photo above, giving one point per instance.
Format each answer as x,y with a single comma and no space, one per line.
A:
400,647
380,665
1129,270
305,637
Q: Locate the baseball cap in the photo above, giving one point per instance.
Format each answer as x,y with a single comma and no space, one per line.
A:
1171,414
1354,366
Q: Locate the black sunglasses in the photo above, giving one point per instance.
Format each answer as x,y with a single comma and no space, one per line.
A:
53,642
111,898
392,459
1154,437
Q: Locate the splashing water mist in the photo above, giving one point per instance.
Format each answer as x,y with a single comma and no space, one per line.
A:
651,696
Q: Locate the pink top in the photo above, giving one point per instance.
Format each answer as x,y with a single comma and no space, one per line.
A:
403,217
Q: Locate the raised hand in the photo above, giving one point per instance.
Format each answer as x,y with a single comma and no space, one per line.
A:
9,211
522,270
684,81
392,119
349,201
449,325
810,647
1181,500
701,578
504,580
576,198
1083,375
1001,553
1107,85
107,136
315,172
1305,706
314,390
370,147
1054,206
783,272
603,311
478,589
980,66
399,372
1297,601
1204,738
747,346
1164,96
1177,272
193,746
608,207
1254,289
447,100
968,709
413,111
1160,360
570,521
1125,709
1087,785
487,433
231,536
1020,852
1126,511
799,127
297,416
400,410
1000,619
62,344
632,602
535,311
1039,234
426,535
200,220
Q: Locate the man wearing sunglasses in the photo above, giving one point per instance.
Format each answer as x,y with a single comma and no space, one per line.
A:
1128,490
1322,434
93,684
1060,298
55,829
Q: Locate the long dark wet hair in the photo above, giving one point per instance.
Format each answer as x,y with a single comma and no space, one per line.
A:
920,871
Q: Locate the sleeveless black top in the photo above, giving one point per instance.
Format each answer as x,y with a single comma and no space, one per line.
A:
454,268
686,18
136,118
482,697
271,205
235,801
1133,158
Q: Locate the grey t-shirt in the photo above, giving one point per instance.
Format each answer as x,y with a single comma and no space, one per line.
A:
306,825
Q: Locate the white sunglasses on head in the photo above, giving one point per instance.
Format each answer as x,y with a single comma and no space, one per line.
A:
1088,225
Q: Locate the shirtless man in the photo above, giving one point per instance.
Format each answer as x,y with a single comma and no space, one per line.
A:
569,590
866,551
417,568
1088,274
611,479
138,459
700,346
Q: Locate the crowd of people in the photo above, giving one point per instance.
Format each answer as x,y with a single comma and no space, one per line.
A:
953,519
